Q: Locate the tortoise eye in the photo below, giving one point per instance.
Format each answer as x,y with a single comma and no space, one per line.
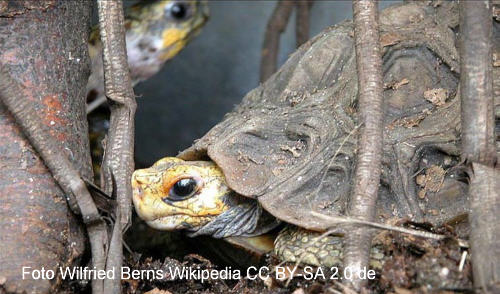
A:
183,189
178,10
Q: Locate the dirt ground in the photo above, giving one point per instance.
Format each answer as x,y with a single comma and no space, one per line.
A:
410,265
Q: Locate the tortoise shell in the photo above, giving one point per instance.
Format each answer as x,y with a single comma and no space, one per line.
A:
291,143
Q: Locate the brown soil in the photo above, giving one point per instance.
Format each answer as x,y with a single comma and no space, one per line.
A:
411,265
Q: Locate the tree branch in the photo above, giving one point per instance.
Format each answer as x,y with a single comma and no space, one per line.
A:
302,21
276,25
478,142
368,165
118,162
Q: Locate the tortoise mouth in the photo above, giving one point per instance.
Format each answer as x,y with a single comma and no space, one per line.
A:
178,222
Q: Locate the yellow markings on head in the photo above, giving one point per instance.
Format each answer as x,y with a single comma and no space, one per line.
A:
153,23
153,200
174,40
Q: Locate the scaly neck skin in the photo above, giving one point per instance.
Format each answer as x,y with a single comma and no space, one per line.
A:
243,218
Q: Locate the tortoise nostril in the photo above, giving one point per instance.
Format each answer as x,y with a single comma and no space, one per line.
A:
137,193
139,179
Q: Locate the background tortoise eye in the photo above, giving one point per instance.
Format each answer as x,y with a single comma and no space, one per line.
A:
178,10
183,189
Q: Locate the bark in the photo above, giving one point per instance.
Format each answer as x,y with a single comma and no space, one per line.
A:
368,168
44,46
67,176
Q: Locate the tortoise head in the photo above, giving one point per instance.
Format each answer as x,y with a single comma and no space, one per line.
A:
174,194
193,195
158,30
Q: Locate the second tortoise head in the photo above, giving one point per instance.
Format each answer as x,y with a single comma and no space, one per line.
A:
158,30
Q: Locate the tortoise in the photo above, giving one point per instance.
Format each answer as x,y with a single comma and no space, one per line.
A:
288,149
156,31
